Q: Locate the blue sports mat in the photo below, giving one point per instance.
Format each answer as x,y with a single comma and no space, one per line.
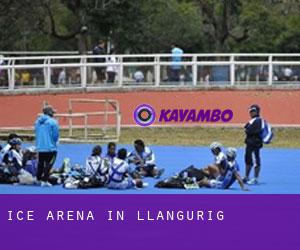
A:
280,172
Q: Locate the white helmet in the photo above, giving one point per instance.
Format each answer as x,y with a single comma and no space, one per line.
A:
231,153
215,145
32,149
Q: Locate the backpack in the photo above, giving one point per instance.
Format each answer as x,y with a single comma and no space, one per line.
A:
266,132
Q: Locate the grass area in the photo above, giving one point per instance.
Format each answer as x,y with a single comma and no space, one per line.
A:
284,137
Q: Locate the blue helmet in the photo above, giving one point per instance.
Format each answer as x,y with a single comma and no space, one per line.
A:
15,141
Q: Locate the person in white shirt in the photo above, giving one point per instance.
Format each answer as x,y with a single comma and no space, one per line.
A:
220,161
143,159
118,174
111,70
13,158
138,76
95,165
62,77
7,147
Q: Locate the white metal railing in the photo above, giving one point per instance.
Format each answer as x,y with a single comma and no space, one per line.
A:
69,71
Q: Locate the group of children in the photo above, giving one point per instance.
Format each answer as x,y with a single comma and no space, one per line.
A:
221,174
116,169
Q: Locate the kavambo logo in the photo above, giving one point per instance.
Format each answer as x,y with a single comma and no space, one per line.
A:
144,115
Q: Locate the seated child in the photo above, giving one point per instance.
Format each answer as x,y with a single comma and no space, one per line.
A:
226,177
7,147
143,159
13,158
118,174
220,161
93,175
111,152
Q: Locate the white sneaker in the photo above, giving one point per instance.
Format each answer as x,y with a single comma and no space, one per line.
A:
145,184
253,181
45,184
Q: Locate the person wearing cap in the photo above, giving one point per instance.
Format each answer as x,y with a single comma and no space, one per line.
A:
254,143
46,136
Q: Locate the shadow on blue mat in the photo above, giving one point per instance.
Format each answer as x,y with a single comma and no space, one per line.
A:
280,171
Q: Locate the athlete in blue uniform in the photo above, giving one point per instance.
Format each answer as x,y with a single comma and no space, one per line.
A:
118,174
111,153
228,176
7,147
253,143
13,158
95,165
144,160
220,161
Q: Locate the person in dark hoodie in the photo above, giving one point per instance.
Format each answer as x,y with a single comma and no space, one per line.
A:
253,144
47,135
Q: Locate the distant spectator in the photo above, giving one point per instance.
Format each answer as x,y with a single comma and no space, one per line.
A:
138,76
176,58
100,50
287,73
62,77
111,70
25,77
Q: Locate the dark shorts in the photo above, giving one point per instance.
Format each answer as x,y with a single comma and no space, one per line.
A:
148,169
251,151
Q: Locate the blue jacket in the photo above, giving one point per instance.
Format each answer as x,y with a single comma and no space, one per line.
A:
176,57
46,134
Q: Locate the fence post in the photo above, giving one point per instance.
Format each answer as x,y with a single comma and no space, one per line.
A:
232,70
157,70
83,71
195,70
270,73
121,71
12,73
48,73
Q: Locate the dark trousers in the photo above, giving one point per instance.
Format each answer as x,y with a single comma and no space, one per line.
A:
249,152
175,75
46,162
111,77
100,72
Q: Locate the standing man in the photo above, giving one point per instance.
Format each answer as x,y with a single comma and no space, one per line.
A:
100,50
254,143
175,67
46,136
